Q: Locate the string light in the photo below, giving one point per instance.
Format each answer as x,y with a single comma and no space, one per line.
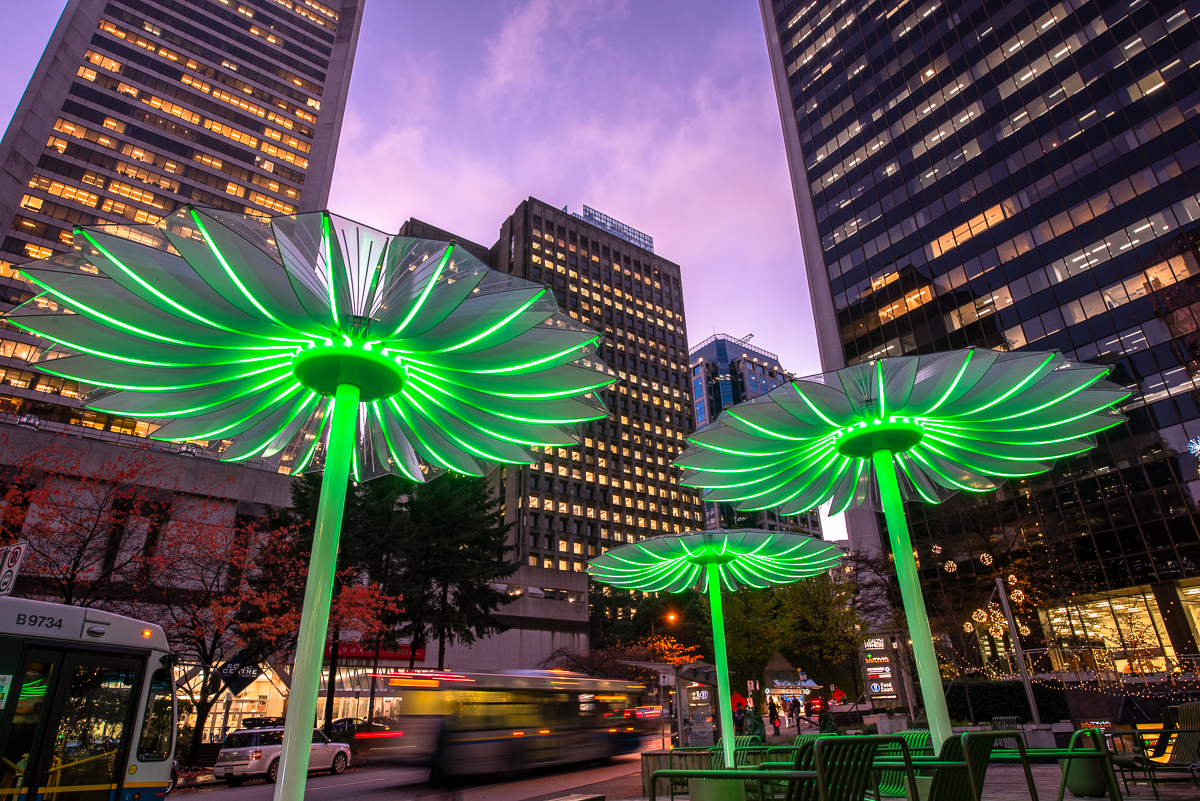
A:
986,558
936,550
979,616
1017,596
968,627
950,566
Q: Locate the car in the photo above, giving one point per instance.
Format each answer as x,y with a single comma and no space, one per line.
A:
382,735
254,754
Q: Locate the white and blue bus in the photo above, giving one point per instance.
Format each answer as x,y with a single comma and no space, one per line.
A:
87,705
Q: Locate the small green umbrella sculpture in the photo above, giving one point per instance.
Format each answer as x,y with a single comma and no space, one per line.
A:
708,560
906,428
329,344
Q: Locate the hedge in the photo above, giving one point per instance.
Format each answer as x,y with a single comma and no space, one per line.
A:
992,699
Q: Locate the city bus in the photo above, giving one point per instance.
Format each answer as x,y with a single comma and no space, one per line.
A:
87,705
475,724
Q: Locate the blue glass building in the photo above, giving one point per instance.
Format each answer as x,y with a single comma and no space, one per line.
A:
1020,175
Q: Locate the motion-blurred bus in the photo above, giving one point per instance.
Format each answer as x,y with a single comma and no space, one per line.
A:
467,724
87,705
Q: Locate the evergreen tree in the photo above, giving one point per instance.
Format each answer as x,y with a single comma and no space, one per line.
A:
451,551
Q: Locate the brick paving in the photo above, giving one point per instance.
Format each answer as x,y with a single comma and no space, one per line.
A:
1007,783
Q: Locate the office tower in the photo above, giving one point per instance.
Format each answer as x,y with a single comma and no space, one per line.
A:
726,371
138,107
618,486
1019,175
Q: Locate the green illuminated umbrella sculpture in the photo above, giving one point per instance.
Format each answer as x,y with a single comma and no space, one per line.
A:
909,428
327,344
710,560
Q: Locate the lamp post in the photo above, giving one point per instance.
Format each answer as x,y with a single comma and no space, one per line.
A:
884,432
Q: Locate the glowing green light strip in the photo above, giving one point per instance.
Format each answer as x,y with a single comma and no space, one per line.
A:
447,376
531,420
900,460
882,394
148,286
858,471
445,431
432,452
593,341
69,301
169,388
950,389
15,321
917,455
302,465
498,325
212,246
1047,404
733,413
193,409
424,293
325,241
258,410
400,462
816,411
300,408
1032,375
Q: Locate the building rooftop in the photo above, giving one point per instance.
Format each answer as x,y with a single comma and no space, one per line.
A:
615,227
742,342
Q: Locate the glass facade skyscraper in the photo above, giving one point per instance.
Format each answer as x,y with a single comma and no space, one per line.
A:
1020,175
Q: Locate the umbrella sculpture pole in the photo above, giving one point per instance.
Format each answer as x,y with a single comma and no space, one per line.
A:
925,427
324,345
724,700
318,595
710,560
914,603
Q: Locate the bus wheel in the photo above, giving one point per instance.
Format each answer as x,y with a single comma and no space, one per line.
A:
273,772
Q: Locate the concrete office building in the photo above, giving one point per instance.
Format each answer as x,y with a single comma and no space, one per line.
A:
1020,175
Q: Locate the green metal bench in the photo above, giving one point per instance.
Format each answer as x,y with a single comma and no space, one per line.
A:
716,757
891,782
834,769
957,773
1096,749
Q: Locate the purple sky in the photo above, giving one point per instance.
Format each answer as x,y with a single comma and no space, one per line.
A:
660,114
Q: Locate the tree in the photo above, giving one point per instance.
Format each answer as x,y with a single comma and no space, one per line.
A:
821,628
96,532
752,633
451,551
608,662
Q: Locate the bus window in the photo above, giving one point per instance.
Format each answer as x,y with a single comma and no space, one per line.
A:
86,745
158,728
26,716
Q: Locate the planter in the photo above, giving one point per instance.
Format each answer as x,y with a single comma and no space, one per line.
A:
1085,777
923,785
716,790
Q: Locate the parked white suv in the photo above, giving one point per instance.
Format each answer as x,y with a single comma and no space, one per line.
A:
254,754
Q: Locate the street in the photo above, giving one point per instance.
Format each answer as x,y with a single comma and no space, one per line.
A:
618,778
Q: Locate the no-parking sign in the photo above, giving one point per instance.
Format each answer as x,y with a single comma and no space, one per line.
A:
10,563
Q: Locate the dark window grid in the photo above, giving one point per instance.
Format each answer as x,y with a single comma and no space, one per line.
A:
125,53
192,34
950,256
226,22
1060,135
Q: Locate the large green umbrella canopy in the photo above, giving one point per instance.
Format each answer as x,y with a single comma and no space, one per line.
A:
907,428
329,344
712,560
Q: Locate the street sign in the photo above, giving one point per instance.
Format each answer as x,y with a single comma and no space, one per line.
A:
665,679
238,675
10,563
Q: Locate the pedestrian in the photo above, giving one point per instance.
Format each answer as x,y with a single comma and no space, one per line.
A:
796,713
773,713
754,724
739,718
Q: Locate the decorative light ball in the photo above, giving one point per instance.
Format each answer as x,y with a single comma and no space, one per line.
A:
950,566
968,627
1018,596
996,630
1023,629
994,608
937,550
986,558
1012,579
979,616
